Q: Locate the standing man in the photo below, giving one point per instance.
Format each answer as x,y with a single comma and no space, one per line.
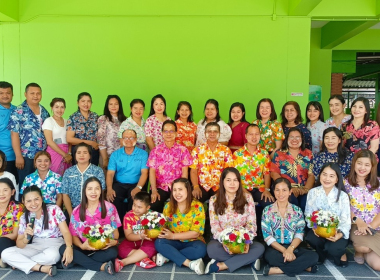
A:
25,124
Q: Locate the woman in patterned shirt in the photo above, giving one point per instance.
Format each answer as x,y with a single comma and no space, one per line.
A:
186,128
337,105
315,123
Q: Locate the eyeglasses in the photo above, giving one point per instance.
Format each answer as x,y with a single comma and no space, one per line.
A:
295,138
168,131
129,138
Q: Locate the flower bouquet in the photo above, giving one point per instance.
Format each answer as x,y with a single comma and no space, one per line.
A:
324,223
236,241
153,223
98,236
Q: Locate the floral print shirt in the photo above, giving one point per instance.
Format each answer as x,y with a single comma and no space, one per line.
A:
252,167
194,220
296,170
130,222
84,129
364,204
153,128
168,163
316,131
360,139
50,187
318,200
29,127
231,218
77,227
282,229
56,217
306,134
107,134
271,131
10,219
330,121
186,134
323,157
129,123
225,132
210,164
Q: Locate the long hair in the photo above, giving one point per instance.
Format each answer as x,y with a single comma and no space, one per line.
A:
188,105
173,204
216,104
158,96
342,151
120,114
36,189
298,119
285,144
318,107
367,108
273,115
242,108
239,201
339,185
4,158
84,200
9,183
371,178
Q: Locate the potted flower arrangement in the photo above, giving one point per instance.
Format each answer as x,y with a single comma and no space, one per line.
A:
236,241
152,222
98,236
324,223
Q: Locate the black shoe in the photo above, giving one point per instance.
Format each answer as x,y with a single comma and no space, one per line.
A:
266,270
314,269
343,264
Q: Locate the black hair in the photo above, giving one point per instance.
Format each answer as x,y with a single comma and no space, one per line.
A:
8,182
84,201
4,84
184,103
158,96
242,108
36,189
318,107
339,185
339,97
273,115
252,125
341,150
136,101
82,144
216,104
282,180
367,108
285,144
212,124
4,158
32,85
120,114
57,99
169,122
83,94
144,197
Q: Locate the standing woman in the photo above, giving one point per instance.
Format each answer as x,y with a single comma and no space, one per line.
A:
82,126
135,122
337,105
362,186
93,210
238,125
108,128
186,128
291,117
55,133
272,133
212,115
153,125
231,207
315,123
360,132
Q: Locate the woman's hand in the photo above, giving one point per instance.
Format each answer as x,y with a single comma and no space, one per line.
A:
288,255
67,257
154,196
67,158
315,233
112,243
226,249
28,231
167,234
363,228
266,195
336,237
94,145
86,247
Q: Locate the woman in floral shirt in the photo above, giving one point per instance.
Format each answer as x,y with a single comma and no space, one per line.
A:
186,128
315,123
231,207
337,105
362,186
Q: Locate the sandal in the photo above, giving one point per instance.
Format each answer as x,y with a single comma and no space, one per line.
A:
359,260
52,270
118,265
109,268
146,263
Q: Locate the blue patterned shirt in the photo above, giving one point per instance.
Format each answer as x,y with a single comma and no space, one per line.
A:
24,122
84,129
324,157
306,134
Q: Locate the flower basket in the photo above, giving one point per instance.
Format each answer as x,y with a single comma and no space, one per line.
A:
236,241
153,223
98,236
236,249
152,233
99,244
325,232
324,223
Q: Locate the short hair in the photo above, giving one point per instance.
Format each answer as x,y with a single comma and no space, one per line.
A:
338,97
318,107
252,125
282,180
82,94
82,144
216,104
144,197
285,144
41,153
212,124
56,100
169,122
296,106
4,84
32,85
129,129
273,115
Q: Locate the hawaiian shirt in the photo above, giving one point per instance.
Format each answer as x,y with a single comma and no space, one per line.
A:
73,179
296,170
231,218
153,128
252,167
360,139
130,222
323,157
330,121
210,164
168,163
5,133
56,217
225,132
194,220
186,134
129,123
77,227
50,187
318,200
29,127
316,131
282,229
306,134
84,129
365,204
10,218
271,131
107,134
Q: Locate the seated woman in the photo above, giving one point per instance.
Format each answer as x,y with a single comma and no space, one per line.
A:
10,212
182,242
232,207
37,246
330,196
6,174
283,227
93,210
362,186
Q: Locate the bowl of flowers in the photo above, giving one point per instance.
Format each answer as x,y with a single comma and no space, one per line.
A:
98,236
236,241
153,223
324,223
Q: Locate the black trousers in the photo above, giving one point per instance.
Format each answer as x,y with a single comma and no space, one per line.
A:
159,205
205,194
123,191
6,243
11,168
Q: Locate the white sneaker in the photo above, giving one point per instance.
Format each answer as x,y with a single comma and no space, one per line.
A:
161,260
257,265
198,266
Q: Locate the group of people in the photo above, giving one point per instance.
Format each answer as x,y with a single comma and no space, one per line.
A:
95,170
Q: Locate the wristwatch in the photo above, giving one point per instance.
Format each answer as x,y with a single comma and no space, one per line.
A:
140,187
354,219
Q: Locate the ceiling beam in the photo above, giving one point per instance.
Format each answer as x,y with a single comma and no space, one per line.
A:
302,7
9,10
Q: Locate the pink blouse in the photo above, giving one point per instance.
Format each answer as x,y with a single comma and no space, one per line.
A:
153,128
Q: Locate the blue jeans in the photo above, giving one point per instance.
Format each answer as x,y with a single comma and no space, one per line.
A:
28,169
178,251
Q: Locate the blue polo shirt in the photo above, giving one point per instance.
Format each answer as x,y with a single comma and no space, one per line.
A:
128,167
5,134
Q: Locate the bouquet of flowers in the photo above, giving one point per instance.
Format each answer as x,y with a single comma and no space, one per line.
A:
236,241
324,223
152,222
98,236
